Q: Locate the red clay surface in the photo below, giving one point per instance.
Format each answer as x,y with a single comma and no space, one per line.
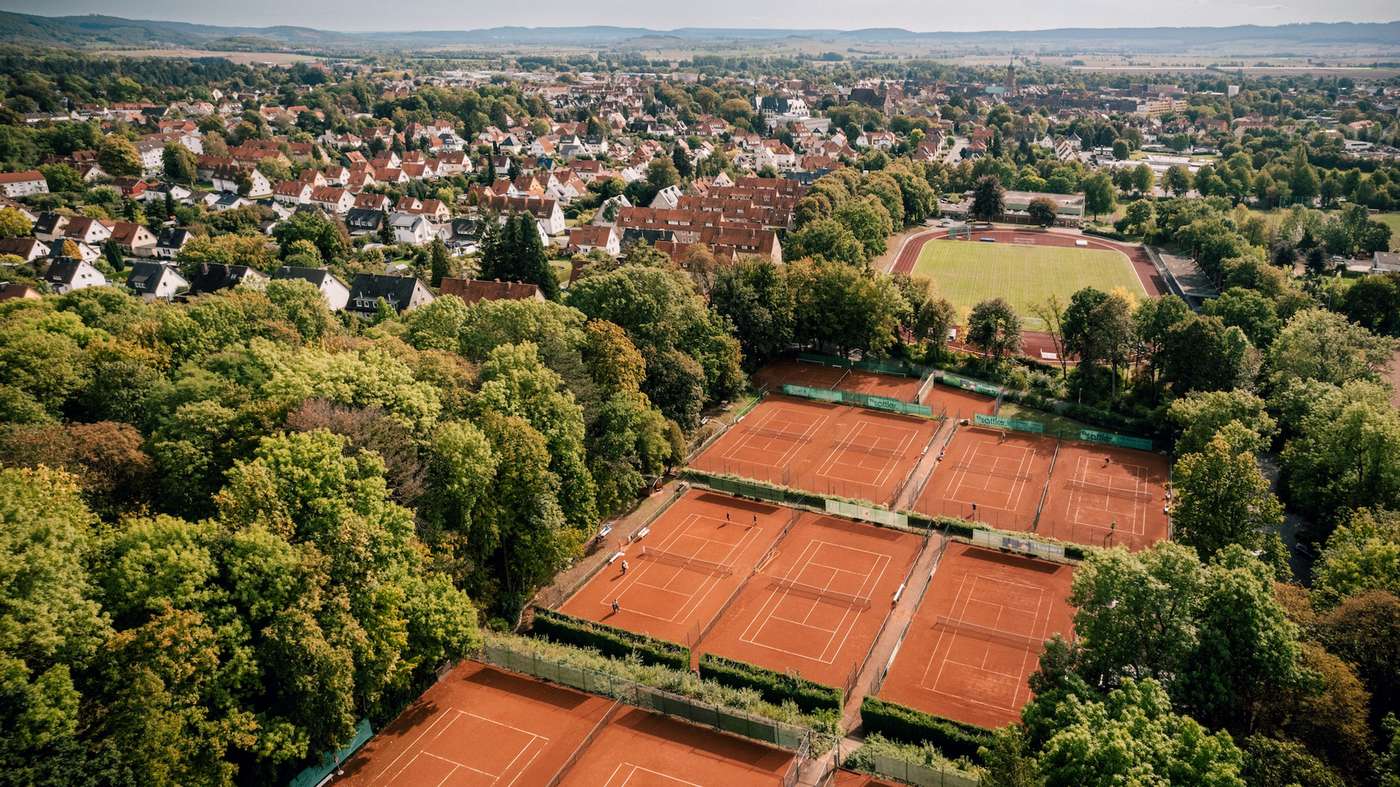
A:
1002,474
675,602
1034,342
816,375
977,635
956,402
1104,496
478,726
830,449
816,607
641,749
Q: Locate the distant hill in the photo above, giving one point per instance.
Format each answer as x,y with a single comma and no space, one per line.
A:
110,31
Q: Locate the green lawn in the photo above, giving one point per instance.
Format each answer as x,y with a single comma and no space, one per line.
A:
1391,220
966,272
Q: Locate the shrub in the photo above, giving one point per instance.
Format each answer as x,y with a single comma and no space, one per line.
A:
775,687
609,641
907,725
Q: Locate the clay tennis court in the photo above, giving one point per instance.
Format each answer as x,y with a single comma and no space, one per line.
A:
990,476
681,573
479,725
957,403
1106,496
816,375
642,749
816,606
977,635
830,449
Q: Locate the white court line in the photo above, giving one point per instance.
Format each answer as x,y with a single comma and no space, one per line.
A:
785,458
1079,502
770,605
887,465
635,767
696,596
416,749
959,481
967,594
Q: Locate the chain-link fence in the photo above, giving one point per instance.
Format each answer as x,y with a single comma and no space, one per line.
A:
997,518
779,733
858,399
918,773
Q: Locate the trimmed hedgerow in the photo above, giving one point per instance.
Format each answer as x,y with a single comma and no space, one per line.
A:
776,687
609,641
899,723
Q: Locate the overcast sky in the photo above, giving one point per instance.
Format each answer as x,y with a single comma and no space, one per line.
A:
919,15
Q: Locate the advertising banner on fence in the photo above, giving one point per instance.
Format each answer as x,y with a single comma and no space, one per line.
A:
1014,424
866,513
1026,546
1109,438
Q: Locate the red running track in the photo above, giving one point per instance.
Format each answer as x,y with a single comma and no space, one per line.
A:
1035,342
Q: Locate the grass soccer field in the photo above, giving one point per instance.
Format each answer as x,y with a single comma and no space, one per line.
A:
967,272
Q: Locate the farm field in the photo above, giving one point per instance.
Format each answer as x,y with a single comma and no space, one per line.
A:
967,272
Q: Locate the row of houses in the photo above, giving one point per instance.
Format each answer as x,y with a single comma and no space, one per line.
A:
363,295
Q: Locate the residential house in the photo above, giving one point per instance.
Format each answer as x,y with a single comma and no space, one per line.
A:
375,202
155,280
585,239
170,242
462,235
411,228
292,192
65,274
545,210
133,238
401,293
333,199
474,290
214,276
364,221
91,231
11,290
335,291
27,249
667,198
23,184
152,154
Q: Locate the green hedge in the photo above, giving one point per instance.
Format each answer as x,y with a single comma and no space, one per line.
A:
612,642
898,723
756,490
776,687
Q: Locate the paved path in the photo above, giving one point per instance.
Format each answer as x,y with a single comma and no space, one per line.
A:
571,578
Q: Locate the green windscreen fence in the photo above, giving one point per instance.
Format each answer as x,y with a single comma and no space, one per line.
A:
1014,424
967,384
858,399
1120,440
330,762
878,365
754,490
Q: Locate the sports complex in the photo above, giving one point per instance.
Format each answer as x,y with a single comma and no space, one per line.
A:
875,533
1026,266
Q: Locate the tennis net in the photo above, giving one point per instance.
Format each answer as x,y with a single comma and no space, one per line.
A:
988,633
851,445
794,437
684,561
1099,489
987,471
818,594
